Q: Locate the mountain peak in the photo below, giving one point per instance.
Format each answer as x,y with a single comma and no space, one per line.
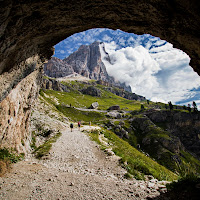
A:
86,61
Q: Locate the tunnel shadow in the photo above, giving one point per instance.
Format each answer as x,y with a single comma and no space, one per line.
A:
182,190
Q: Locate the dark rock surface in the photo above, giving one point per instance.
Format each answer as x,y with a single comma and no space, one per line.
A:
91,90
185,126
115,107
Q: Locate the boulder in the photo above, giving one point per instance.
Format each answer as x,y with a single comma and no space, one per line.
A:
114,114
116,107
94,105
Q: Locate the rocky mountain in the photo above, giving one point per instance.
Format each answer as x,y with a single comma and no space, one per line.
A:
57,68
86,61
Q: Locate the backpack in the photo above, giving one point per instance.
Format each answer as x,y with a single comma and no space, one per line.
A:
71,125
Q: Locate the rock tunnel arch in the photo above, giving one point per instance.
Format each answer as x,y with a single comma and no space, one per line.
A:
29,30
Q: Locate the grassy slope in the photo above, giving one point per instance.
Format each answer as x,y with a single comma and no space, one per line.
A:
105,101
134,161
136,166
137,163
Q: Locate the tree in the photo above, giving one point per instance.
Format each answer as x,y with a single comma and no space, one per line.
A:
194,107
189,108
142,107
170,105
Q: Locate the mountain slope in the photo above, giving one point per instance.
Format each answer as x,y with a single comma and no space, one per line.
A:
87,62
57,68
134,122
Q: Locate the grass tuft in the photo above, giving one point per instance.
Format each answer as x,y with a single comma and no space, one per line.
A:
44,149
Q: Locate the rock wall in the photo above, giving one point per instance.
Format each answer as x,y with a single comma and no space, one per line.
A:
185,126
57,68
15,111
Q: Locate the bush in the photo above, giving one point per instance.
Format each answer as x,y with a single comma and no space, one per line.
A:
6,158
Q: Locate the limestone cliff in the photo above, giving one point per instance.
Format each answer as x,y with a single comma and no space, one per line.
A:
87,62
57,68
15,111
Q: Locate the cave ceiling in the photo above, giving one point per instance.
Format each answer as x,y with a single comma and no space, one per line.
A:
30,28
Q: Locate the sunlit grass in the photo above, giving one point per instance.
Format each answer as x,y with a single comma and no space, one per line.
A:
135,162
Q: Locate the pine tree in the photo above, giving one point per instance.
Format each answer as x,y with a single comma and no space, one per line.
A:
194,106
189,108
170,105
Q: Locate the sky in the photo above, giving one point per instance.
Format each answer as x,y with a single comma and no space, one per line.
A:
151,66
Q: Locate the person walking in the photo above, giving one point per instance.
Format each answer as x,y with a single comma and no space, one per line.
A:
79,125
71,126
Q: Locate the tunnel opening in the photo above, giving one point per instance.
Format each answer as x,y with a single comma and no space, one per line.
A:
30,29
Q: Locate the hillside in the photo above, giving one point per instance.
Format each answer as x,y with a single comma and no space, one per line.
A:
69,165
142,124
125,148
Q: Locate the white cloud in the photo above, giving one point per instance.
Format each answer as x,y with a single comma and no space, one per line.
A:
163,77
106,38
62,51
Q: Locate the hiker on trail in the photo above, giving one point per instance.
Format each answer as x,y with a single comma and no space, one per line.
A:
79,125
71,126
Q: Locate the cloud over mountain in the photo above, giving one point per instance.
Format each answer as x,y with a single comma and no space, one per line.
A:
150,65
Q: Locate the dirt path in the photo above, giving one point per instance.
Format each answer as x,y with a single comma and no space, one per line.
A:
75,169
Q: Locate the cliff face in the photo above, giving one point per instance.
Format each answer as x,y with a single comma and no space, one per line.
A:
185,126
15,111
87,62
57,68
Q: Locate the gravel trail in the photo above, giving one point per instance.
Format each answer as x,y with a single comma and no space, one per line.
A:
74,169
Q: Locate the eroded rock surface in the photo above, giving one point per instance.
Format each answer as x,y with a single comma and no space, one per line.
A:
15,111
